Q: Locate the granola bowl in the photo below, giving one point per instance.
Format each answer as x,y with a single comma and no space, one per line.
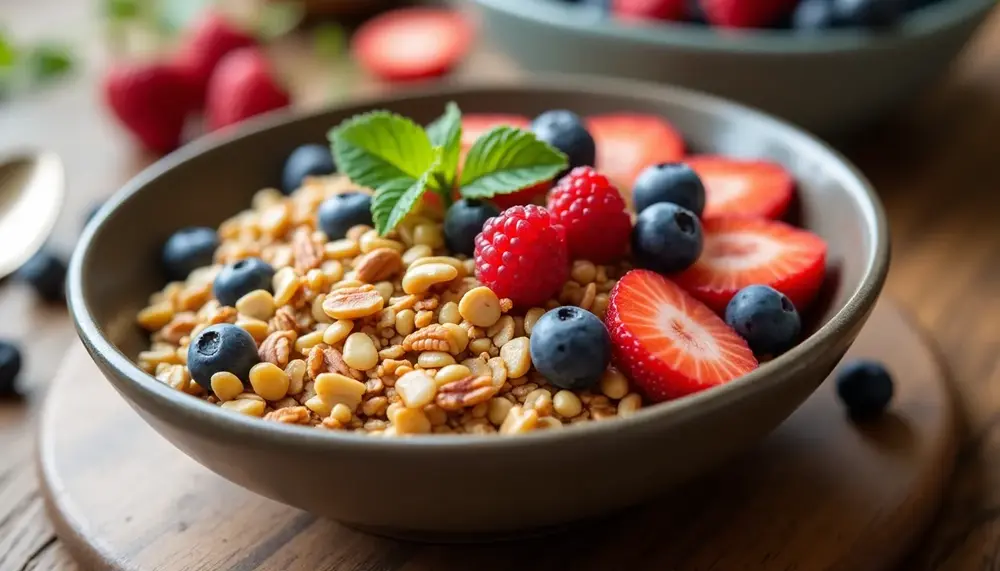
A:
456,487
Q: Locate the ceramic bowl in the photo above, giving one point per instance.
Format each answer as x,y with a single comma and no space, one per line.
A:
833,83
440,487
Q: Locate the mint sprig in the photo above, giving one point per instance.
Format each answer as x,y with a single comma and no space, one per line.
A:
401,160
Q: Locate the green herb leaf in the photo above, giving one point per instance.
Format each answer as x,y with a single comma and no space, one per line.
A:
396,198
8,53
446,132
374,149
330,42
49,61
506,160
122,9
280,18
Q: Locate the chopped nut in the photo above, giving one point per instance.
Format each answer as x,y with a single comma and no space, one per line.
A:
531,318
465,393
357,231
427,304
451,373
435,359
478,366
392,352
480,307
411,421
284,320
502,331
416,389
289,415
583,272
629,404
423,318
176,376
371,241
587,300
341,413
516,356
506,304
377,265
540,400
453,262
548,422
498,410
428,235
308,255
404,321
156,316
226,385
337,331
341,249
180,326
255,327
353,303
247,407
480,345
296,371
498,371
449,314
375,406
277,348
269,381
360,352
567,404
519,420
419,279
336,389
613,383
318,405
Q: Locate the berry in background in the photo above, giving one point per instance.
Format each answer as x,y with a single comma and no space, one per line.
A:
594,215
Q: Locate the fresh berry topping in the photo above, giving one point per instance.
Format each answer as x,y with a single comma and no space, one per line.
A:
187,250
649,9
570,347
735,187
676,183
628,143
766,318
209,40
463,222
10,366
305,161
45,272
865,388
743,14
531,195
341,211
666,238
740,252
240,278
243,86
475,125
593,213
522,255
565,131
152,100
667,342
412,43
218,348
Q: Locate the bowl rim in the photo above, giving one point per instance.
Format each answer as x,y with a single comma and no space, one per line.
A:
194,412
916,26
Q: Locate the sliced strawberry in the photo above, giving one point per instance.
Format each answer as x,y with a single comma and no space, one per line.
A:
745,251
649,9
746,14
475,125
628,143
668,343
412,43
735,187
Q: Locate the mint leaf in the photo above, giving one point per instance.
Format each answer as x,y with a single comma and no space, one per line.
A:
506,160
396,198
122,9
377,148
49,61
8,53
446,132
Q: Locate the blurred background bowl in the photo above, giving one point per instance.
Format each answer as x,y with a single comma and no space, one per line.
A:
832,83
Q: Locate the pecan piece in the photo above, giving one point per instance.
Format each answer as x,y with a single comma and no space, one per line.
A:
289,415
277,348
465,393
353,302
224,314
325,359
429,304
284,320
431,338
180,326
377,265
308,254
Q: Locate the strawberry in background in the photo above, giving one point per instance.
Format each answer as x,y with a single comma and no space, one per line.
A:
152,100
208,41
243,86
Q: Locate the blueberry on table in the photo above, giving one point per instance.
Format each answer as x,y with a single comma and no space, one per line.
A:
240,278
341,211
565,131
765,318
307,160
45,272
865,388
570,347
464,221
666,238
10,366
187,250
676,183
221,347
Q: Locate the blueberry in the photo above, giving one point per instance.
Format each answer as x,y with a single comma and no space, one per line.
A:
868,13
669,182
341,211
463,222
221,347
564,130
865,388
570,347
10,366
307,160
45,272
666,238
766,318
240,278
187,250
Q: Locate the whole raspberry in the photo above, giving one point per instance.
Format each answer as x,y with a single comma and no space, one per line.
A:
522,255
592,211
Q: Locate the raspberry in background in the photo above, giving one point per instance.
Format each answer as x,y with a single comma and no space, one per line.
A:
593,213
208,41
522,255
243,86
152,100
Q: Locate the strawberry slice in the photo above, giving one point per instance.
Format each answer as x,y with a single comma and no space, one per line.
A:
735,187
412,43
474,125
744,14
628,143
668,343
739,252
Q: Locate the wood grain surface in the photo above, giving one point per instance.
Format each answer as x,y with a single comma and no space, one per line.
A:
934,163
819,494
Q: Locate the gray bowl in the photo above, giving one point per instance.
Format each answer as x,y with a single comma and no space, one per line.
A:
832,84
447,487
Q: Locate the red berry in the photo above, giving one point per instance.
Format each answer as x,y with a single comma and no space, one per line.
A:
740,252
152,100
593,213
745,14
628,143
531,195
668,343
209,40
522,255
735,187
475,125
412,43
243,86
649,9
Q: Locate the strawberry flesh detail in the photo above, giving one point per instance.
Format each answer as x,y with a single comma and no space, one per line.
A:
735,187
627,143
412,43
745,13
668,343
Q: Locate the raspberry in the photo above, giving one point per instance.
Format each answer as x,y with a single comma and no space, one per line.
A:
522,255
593,213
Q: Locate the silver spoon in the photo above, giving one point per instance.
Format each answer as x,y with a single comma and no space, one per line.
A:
31,194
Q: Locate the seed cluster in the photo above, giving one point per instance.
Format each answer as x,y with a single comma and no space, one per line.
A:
387,335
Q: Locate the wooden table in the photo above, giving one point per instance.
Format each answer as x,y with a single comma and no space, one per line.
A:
935,165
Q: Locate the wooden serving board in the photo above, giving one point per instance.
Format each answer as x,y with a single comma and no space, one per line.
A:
820,493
